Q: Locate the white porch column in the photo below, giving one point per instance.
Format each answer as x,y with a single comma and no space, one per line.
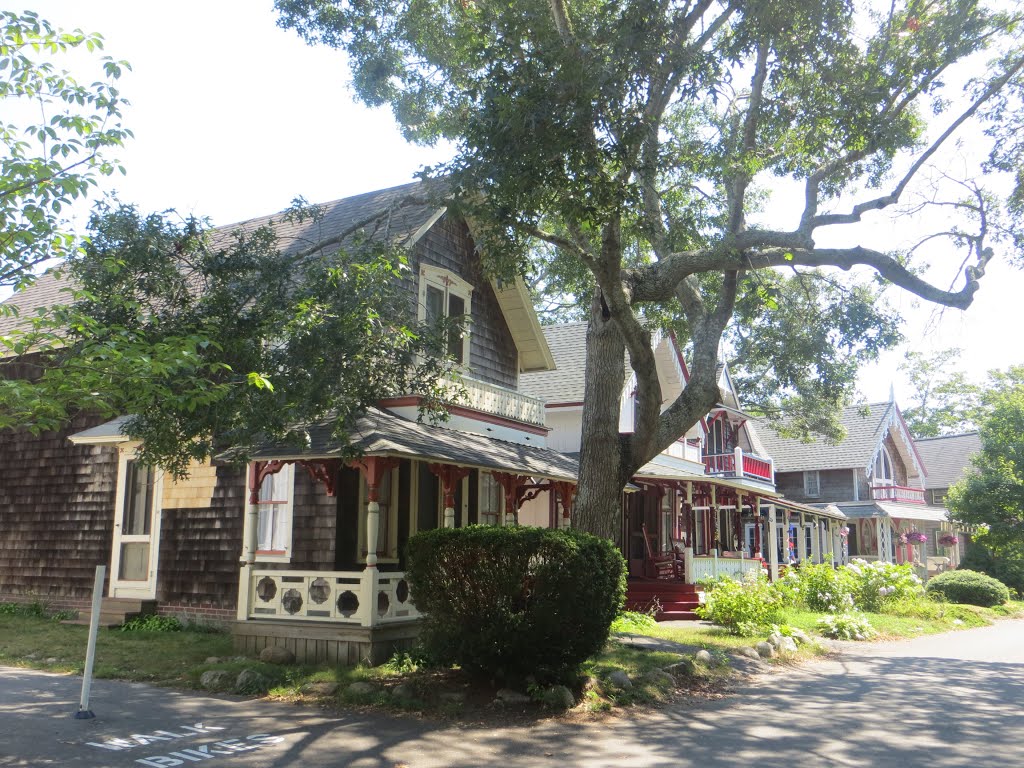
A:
816,531
250,543
738,458
883,555
773,544
688,573
801,539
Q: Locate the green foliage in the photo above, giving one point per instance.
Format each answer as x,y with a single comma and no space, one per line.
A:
875,584
222,339
992,497
846,626
152,622
969,587
633,622
1008,567
55,156
944,402
34,609
824,588
749,607
499,600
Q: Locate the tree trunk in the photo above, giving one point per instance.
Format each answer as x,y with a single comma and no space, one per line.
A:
598,505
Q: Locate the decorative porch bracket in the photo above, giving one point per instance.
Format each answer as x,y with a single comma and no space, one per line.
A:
323,471
449,475
373,469
518,489
565,493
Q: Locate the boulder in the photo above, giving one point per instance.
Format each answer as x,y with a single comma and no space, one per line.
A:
508,696
276,654
559,697
684,668
452,697
404,691
620,680
660,679
361,689
704,657
801,637
765,650
212,660
775,639
252,682
216,679
788,645
320,688
747,652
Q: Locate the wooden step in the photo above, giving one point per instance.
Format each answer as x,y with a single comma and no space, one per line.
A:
677,616
115,611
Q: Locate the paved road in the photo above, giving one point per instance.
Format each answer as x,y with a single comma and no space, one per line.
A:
947,700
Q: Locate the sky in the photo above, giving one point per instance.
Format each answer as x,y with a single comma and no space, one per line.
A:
234,117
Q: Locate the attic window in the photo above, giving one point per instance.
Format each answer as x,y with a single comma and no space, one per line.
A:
812,484
445,295
883,468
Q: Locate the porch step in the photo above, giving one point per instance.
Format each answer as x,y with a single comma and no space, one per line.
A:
115,611
677,616
675,600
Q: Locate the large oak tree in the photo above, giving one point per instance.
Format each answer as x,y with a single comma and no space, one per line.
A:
637,139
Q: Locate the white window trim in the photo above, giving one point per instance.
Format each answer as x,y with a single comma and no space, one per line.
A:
287,476
500,514
450,283
817,483
882,458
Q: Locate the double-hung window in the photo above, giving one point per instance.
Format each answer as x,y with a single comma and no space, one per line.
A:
274,540
491,498
446,297
812,484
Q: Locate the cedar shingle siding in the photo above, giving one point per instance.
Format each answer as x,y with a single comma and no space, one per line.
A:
56,514
492,352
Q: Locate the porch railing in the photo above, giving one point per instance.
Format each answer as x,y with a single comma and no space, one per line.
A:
900,493
713,567
362,598
500,401
750,466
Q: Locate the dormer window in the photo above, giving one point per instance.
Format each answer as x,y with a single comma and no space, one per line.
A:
883,468
443,296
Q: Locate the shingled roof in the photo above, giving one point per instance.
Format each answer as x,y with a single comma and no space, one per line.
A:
565,384
948,458
395,215
865,426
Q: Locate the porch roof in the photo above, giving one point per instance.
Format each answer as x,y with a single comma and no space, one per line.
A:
663,467
894,510
380,433
825,510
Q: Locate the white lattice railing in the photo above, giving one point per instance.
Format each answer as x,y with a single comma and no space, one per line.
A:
713,567
900,493
346,597
499,401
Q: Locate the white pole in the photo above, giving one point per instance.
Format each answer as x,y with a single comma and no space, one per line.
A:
84,713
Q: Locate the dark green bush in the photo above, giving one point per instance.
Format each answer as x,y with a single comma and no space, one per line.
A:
1007,567
516,601
969,587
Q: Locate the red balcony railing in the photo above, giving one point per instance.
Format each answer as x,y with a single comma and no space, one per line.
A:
751,466
901,493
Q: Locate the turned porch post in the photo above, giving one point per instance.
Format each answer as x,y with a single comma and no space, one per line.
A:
258,471
773,544
449,475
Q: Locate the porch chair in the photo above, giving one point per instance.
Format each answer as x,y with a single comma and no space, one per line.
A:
660,566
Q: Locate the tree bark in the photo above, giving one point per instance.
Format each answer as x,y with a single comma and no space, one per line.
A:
598,504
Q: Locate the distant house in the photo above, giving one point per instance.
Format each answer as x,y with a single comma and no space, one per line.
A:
877,477
948,459
299,548
705,506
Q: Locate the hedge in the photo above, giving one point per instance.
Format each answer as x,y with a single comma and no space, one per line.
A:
515,601
969,587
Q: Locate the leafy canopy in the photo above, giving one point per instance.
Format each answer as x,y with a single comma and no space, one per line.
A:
217,339
55,137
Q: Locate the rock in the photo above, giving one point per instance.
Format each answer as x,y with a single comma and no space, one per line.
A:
558,697
361,689
591,683
52,660
765,650
252,682
788,645
775,639
704,657
660,679
747,652
321,688
801,637
31,655
684,668
620,680
275,654
212,660
452,697
508,696
404,691
749,665
216,679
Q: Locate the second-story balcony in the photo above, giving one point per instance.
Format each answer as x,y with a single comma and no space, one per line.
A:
900,493
738,464
499,401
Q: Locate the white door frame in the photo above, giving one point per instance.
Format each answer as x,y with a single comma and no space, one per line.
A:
144,590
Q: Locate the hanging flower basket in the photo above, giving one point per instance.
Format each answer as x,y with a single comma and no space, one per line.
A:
844,531
949,540
916,537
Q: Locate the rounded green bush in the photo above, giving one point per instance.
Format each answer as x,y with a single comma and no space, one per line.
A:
515,601
969,587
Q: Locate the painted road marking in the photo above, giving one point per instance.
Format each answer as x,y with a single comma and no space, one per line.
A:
194,753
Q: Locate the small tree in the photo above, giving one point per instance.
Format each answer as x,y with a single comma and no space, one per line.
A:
56,155
944,402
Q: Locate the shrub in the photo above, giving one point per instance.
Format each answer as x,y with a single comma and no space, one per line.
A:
515,601
749,607
969,587
152,623
846,626
825,589
875,584
1007,567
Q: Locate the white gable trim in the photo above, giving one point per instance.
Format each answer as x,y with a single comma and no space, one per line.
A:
906,449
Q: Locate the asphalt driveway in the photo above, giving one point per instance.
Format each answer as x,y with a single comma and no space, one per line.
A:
945,700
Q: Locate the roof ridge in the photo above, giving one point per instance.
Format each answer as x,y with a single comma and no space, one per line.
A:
947,437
